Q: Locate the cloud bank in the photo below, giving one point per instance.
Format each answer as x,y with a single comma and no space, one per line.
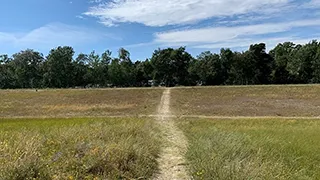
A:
176,12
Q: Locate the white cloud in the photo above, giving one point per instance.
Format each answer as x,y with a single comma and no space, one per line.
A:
220,34
234,37
80,17
177,12
50,36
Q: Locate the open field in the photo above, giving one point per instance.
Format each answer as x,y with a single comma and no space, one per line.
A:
299,101
253,132
253,149
78,103
97,148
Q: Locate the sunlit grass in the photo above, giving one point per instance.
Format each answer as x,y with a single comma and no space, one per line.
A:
78,148
253,149
78,102
299,101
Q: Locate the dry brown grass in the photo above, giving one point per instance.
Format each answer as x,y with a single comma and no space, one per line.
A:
248,101
78,103
78,148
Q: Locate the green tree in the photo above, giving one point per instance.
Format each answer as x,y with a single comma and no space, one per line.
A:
143,72
171,66
226,60
127,68
7,80
263,63
81,71
282,55
27,68
124,55
242,69
207,68
115,73
316,66
59,68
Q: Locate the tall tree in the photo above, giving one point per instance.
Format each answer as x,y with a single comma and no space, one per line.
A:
171,66
81,74
27,68
208,67
127,68
282,55
242,69
263,63
124,55
59,68
226,60
143,72
7,80
115,73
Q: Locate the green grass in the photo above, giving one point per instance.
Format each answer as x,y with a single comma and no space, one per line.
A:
78,102
86,148
66,134
253,149
299,101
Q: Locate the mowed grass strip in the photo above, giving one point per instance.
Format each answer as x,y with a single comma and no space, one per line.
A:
100,148
292,101
78,102
253,149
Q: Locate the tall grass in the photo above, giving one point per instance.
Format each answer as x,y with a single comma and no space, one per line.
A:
253,149
78,149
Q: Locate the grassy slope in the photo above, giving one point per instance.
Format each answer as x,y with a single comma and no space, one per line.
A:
248,101
253,149
78,148
78,103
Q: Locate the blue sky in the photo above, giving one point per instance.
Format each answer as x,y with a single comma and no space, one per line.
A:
141,26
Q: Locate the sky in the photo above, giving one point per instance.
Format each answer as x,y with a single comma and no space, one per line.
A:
141,26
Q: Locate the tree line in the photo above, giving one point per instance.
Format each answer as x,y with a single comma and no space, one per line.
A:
287,63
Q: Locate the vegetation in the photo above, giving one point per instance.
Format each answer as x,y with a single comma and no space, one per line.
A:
287,63
78,148
253,149
66,134
282,101
78,102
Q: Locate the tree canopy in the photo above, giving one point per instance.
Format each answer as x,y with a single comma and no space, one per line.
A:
287,63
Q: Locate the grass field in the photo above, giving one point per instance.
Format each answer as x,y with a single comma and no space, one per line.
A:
248,101
74,134
253,149
78,103
101,148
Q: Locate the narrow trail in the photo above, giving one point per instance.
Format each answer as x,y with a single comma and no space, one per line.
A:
171,161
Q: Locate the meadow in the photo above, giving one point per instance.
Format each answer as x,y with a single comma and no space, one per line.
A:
252,148
78,134
231,132
86,148
282,101
78,102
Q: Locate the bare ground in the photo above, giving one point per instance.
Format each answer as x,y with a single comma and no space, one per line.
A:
171,161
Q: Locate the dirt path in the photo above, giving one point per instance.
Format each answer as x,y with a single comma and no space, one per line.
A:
171,161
